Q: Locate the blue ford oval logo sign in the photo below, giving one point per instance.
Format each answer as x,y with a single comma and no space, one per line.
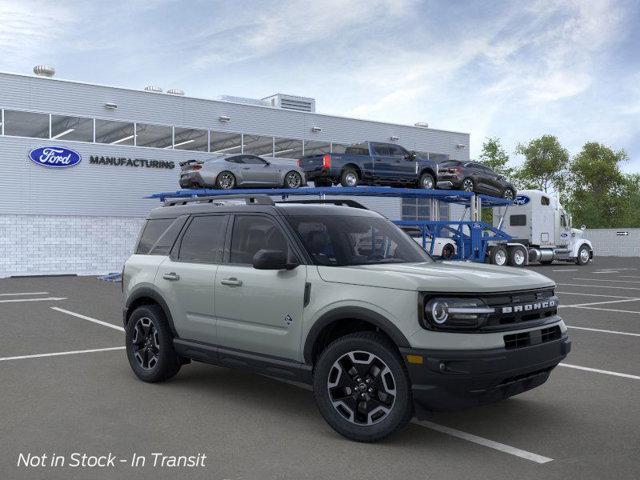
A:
521,200
56,157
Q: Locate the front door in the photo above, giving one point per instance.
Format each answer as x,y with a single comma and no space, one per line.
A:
258,171
187,278
259,311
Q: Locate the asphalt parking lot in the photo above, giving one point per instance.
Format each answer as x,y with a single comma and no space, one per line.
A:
67,387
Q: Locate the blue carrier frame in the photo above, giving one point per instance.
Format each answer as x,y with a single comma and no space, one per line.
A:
471,237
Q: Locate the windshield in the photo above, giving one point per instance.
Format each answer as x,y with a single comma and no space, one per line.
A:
341,240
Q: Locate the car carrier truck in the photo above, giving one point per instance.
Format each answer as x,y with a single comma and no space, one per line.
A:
539,226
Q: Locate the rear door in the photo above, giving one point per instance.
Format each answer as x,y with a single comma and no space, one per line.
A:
258,171
259,311
186,278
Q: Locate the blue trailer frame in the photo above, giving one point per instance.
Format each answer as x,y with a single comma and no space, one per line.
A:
472,237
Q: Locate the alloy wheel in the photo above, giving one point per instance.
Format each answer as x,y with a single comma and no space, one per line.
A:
226,181
293,180
500,258
584,255
518,257
361,387
146,343
467,185
427,182
351,179
508,194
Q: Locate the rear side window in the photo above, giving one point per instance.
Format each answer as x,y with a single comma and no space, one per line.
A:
359,149
517,220
254,233
203,241
168,238
152,232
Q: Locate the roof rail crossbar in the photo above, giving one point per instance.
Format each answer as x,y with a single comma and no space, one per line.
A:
331,201
249,199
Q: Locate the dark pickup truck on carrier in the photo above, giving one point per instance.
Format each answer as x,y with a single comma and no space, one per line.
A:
371,163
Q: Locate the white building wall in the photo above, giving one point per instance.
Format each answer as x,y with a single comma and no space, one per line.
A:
613,242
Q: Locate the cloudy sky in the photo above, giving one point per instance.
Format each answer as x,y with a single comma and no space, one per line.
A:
515,69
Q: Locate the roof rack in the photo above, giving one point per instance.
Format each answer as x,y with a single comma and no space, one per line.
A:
337,201
220,200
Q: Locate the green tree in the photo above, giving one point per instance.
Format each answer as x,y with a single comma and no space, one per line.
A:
545,165
495,157
599,192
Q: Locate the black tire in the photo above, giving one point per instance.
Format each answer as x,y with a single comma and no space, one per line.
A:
349,177
584,255
167,363
223,177
427,182
385,370
468,185
292,180
499,256
448,251
517,257
509,194
322,182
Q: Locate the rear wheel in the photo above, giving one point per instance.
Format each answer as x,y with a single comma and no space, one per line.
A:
292,179
517,256
499,255
508,194
448,251
149,345
349,178
427,181
468,185
362,388
225,181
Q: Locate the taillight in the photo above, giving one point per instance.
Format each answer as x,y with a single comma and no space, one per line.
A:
326,160
299,162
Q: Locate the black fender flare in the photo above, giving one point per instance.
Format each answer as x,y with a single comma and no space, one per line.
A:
352,313
148,292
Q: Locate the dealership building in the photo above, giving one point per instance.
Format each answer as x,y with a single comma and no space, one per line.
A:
85,218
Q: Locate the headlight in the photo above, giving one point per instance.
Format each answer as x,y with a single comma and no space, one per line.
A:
456,313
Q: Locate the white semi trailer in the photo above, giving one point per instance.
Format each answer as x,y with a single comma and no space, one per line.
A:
539,225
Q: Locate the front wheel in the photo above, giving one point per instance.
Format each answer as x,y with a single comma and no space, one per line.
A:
584,255
292,180
362,388
149,345
427,182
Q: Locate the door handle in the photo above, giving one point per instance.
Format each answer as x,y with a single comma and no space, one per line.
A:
232,282
173,276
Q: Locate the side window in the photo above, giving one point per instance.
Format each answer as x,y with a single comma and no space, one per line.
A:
252,233
381,149
152,231
238,159
544,200
517,220
168,238
396,151
203,242
563,221
253,160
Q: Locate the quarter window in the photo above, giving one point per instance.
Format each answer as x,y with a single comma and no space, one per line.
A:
203,242
252,233
151,233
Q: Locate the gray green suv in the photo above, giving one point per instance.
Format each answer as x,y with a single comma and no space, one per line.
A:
337,297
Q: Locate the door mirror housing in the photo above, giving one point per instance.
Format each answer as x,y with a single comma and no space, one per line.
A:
410,156
272,260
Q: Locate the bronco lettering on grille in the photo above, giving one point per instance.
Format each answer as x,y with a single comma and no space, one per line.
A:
529,307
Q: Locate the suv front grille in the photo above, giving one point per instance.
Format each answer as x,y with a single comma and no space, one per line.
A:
513,309
535,337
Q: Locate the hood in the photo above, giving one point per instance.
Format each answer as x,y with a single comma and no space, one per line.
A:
460,277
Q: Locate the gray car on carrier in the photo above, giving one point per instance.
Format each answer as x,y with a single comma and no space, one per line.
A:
337,297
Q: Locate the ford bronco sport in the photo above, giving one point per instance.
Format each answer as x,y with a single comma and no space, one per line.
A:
337,297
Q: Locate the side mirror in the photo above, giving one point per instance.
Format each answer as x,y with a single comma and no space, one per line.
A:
272,260
583,227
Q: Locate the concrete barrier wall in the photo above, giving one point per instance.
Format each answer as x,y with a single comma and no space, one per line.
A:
618,242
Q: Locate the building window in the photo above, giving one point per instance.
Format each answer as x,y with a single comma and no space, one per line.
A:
258,145
157,136
26,124
224,142
316,148
114,133
72,128
287,148
190,139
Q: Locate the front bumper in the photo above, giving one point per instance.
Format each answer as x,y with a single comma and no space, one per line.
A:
456,379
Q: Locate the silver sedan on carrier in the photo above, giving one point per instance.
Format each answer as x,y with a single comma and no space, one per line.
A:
240,170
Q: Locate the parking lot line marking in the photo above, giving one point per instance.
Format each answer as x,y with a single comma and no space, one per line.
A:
605,280
534,457
565,269
605,331
597,370
597,303
610,310
22,293
592,294
58,354
43,299
596,286
89,319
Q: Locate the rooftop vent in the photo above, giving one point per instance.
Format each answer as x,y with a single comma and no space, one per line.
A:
44,71
422,124
153,88
175,91
292,102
